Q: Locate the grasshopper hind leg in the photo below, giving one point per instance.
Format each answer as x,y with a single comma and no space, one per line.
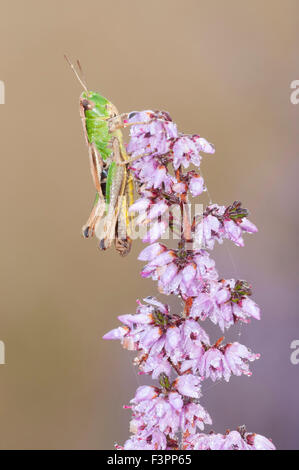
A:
123,233
96,214
123,241
123,245
115,200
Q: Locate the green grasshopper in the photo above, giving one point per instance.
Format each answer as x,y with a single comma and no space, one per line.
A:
102,125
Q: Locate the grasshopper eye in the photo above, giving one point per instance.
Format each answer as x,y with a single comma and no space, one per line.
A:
86,104
131,115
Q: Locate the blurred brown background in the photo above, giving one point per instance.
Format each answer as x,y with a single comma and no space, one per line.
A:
222,69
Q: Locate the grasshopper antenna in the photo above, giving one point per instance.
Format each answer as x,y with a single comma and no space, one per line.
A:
82,82
81,72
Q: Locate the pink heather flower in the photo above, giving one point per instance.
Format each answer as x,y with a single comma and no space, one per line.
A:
154,136
220,222
207,231
237,357
193,335
152,173
213,365
194,417
259,442
166,412
180,188
164,340
152,251
145,392
203,145
155,332
179,346
186,150
145,328
233,232
197,441
178,271
155,413
248,226
154,364
196,185
151,208
224,303
147,440
155,231
217,363
157,209
233,440
188,385
155,139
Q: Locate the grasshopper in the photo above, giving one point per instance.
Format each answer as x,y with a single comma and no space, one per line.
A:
102,126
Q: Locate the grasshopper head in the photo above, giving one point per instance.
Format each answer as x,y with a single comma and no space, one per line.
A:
98,104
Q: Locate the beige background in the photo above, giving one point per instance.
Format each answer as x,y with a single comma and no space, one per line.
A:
221,68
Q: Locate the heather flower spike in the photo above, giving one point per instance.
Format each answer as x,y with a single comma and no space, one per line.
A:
173,347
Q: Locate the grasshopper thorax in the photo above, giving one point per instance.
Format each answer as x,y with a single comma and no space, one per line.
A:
96,112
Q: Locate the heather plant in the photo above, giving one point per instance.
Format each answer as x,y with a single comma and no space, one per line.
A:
173,347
